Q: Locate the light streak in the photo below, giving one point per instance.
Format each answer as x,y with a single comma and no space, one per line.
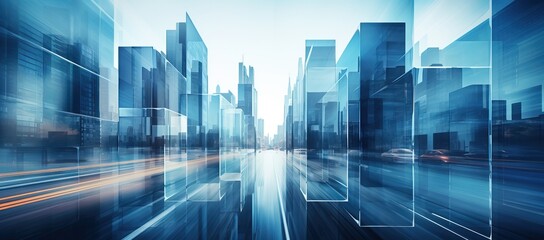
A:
88,185
54,192
51,170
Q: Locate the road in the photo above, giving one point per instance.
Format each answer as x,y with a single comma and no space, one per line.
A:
126,200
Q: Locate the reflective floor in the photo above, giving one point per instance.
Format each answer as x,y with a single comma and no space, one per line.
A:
125,200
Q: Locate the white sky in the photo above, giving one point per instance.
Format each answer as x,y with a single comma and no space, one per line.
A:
267,34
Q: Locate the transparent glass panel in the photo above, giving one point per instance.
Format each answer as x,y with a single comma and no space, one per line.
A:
452,106
386,172
323,176
517,118
386,105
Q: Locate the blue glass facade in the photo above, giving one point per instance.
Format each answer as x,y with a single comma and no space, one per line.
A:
59,71
516,93
247,102
188,53
324,167
150,126
58,100
52,75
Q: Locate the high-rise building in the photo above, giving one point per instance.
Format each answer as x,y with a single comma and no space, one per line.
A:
186,50
58,103
148,80
288,117
229,96
251,77
260,132
150,125
247,101
319,77
54,77
245,77
298,103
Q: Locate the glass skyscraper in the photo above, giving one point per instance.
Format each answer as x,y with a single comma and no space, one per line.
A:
247,102
58,82
150,125
58,99
187,52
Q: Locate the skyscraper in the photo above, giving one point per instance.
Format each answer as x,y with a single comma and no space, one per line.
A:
186,50
319,182
260,132
150,125
247,101
53,75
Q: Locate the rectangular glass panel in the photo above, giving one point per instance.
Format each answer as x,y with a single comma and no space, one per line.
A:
452,106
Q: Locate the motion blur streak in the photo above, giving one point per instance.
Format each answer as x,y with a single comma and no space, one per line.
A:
83,187
51,170
89,185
